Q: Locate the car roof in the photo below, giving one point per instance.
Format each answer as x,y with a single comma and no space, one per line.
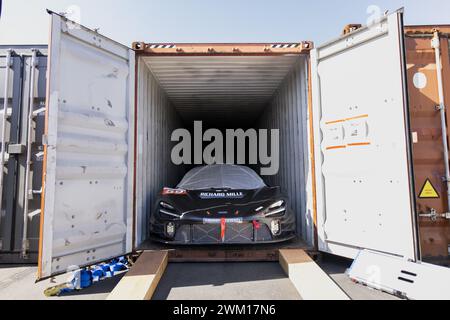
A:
221,176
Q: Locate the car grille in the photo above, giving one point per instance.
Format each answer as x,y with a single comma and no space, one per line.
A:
235,233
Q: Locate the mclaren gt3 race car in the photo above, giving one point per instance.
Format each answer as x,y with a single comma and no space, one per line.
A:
222,204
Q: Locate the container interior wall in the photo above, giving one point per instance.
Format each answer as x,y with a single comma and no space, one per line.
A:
287,111
223,93
156,119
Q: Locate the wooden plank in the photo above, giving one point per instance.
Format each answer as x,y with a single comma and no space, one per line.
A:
311,282
230,253
217,255
141,281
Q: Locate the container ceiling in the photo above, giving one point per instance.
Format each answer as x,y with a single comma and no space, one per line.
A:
221,89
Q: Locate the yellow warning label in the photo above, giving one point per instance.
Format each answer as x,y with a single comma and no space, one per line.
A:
428,191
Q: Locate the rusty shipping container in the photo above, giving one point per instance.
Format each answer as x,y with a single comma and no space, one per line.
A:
429,156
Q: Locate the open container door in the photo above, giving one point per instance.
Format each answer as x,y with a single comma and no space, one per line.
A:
362,143
88,164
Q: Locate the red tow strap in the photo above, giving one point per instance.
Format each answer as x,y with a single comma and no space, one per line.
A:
223,227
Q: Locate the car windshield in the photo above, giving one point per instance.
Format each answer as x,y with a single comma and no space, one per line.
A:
221,177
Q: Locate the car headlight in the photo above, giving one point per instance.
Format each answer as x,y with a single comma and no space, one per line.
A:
277,204
168,210
166,205
276,208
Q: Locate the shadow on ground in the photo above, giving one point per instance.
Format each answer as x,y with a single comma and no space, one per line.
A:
223,281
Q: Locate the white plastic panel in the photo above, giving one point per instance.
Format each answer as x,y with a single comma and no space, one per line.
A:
362,145
412,280
89,153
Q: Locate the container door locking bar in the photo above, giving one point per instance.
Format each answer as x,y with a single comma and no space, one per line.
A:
31,115
436,45
4,118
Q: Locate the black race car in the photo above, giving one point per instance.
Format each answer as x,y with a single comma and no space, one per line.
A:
222,204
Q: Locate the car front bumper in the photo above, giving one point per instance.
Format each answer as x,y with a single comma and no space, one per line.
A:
246,232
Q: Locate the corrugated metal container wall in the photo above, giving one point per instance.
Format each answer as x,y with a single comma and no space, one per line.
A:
288,112
428,150
14,247
157,119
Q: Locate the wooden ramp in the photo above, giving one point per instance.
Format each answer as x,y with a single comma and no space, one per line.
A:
142,279
311,282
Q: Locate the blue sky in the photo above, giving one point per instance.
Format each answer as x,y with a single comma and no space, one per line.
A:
25,21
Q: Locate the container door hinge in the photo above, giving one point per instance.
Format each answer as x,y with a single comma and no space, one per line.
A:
436,41
44,139
434,216
440,107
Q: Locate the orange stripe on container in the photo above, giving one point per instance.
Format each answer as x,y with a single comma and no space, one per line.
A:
336,147
359,144
312,159
336,121
358,117
348,119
